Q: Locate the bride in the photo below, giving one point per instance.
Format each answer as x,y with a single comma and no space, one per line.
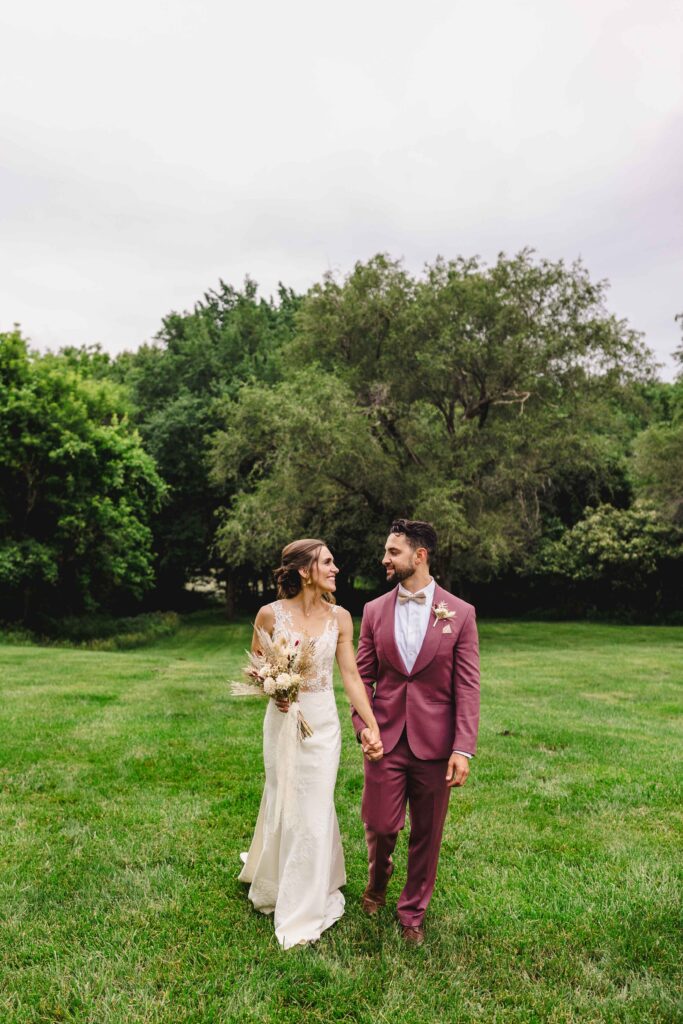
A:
295,865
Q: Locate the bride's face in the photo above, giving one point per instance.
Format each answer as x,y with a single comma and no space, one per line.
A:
324,572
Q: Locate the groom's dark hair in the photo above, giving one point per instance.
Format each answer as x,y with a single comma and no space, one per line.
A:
417,533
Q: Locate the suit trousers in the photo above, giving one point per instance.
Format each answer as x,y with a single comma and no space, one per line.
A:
398,779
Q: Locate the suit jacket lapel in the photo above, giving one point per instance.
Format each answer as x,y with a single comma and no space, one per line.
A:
430,644
387,633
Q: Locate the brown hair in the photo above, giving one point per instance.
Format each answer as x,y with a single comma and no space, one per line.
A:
300,554
418,534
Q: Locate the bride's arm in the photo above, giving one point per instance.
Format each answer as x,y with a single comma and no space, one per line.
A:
353,684
265,619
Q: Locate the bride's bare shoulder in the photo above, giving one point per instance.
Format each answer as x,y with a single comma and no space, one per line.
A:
265,617
343,618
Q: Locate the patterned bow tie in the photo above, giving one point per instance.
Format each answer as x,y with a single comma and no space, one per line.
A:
403,598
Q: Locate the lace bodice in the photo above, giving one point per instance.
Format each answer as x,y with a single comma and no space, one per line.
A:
325,645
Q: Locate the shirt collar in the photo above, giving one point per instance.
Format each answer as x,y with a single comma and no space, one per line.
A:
428,591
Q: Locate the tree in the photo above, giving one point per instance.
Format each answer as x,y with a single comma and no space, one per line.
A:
86,360
76,489
178,386
302,459
658,469
611,553
657,463
492,400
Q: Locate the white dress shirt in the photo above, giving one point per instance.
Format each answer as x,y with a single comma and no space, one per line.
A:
411,621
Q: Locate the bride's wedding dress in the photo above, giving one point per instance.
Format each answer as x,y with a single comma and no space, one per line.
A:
295,865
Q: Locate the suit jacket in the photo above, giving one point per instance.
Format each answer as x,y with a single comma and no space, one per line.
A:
438,700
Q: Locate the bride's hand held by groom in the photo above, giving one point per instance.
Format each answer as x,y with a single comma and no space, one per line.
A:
371,744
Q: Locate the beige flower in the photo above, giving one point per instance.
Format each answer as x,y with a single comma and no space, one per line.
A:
441,611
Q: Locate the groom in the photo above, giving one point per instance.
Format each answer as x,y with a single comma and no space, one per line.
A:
418,656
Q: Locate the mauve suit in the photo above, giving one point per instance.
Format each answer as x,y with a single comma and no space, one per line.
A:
423,715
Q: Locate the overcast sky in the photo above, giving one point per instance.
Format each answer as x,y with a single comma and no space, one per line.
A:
150,147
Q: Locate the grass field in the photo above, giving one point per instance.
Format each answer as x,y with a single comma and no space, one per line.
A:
130,781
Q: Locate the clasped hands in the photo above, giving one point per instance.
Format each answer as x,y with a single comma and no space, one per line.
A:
371,744
370,739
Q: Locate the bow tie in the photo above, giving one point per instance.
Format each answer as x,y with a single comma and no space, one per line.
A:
403,598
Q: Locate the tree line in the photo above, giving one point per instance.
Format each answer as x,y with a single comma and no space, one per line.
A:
502,402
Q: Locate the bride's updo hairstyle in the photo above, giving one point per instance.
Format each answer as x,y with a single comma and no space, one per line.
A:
300,554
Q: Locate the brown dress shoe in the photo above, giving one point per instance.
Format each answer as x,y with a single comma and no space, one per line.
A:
372,901
413,935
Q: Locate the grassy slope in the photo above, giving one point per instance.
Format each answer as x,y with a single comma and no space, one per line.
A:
129,782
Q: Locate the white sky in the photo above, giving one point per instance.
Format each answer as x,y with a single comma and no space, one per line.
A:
149,148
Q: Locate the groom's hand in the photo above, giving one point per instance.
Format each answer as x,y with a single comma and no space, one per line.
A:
458,770
371,744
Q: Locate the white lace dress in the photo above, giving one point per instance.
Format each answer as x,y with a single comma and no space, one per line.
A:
295,865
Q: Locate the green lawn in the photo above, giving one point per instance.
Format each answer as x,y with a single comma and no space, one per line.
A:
130,781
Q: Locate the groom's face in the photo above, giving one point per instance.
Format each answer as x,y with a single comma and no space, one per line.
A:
400,560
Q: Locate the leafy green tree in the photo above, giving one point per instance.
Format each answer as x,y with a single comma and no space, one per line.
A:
620,547
86,360
492,400
76,489
658,469
178,386
303,459
657,463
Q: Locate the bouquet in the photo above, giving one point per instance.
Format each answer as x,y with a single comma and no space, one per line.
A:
277,670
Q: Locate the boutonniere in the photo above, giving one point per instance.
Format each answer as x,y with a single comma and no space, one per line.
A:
441,612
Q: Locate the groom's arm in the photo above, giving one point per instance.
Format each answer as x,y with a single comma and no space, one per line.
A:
366,659
466,686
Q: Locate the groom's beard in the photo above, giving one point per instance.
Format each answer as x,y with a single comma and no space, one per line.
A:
401,575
